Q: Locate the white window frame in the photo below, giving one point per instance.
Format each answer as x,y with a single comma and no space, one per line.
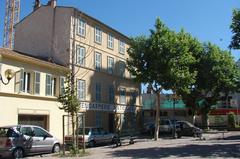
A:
25,82
110,64
81,89
81,27
98,61
121,47
110,43
98,90
122,98
98,35
51,85
62,85
80,55
37,83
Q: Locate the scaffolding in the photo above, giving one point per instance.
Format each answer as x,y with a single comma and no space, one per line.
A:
12,12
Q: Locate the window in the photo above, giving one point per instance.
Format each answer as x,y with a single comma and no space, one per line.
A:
98,61
122,68
133,96
121,47
110,41
98,35
80,55
40,132
81,87
81,27
37,83
25,82
98,92
26,131
98,120
111,94
50,85
62,87
122,96
110,65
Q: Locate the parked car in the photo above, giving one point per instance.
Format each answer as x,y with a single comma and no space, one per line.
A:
93,136
165,126
20,140
188,129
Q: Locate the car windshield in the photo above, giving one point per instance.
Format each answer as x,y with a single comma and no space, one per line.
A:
81,131
7,132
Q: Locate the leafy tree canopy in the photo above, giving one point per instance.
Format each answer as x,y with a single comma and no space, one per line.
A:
235,28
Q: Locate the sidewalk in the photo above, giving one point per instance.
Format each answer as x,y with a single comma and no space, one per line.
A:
186,147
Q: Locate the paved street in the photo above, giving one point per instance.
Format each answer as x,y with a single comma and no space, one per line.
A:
213,147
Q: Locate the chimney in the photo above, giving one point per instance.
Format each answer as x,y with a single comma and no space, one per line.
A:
37,4
52,3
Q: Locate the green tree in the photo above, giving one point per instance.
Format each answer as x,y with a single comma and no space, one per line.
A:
217,74
235,28
70,104
163,61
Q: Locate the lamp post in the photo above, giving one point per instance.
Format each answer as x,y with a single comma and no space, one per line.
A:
174,106
9,75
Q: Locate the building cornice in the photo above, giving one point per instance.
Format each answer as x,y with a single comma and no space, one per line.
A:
4,94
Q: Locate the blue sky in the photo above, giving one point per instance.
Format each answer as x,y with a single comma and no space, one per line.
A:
207,20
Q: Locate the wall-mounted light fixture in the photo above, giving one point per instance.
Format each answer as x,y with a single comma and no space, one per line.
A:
8,75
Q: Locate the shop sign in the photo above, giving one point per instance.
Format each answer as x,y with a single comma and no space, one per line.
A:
84,106
97,106
125,109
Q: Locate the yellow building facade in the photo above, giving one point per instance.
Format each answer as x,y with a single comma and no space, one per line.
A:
97,55
31,95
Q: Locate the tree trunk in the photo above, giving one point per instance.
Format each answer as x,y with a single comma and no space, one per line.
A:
205,120
157,117
74,146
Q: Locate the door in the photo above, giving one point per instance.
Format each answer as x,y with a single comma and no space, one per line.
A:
42,140
38,120
111,122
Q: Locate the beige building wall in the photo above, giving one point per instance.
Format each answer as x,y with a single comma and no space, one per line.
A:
62,38
15,103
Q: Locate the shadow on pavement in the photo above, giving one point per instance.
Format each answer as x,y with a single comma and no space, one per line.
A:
228,150
236,137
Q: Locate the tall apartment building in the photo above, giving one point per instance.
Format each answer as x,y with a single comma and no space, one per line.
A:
98,53
31,95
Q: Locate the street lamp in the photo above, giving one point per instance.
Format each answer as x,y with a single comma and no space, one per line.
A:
9,75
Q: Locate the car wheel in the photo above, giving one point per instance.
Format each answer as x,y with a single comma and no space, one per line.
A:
114,140
18,153
92,143
56,148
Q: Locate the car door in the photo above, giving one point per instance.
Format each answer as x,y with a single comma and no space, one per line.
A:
27,132
42,140
106,137
187,130
95,135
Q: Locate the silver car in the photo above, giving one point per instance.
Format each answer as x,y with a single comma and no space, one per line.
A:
93,136
20,140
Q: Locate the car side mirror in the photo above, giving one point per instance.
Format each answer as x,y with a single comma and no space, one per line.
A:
45,136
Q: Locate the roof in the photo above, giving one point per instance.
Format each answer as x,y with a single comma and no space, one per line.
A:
5,52
94,19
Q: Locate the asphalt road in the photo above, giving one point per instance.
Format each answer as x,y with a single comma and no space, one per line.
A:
215,145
